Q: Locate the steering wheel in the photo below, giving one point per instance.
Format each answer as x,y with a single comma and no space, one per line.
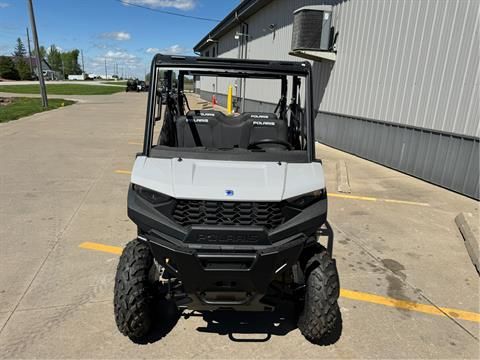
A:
269,141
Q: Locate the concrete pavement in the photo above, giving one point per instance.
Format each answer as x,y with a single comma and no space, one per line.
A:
59,189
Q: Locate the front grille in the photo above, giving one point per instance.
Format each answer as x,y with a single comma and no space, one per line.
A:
200,212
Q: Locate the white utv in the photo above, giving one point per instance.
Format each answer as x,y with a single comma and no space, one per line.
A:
228,207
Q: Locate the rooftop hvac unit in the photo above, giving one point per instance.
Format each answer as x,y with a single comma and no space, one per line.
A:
311,28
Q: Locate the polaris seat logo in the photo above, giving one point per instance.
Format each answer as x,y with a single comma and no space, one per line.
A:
197,120
258,116
264,123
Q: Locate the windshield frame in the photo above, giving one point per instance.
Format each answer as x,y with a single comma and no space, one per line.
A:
242,68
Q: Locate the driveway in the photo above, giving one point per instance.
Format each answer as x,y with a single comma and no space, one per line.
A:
409,289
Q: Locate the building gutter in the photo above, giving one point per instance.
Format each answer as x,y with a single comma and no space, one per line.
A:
243,10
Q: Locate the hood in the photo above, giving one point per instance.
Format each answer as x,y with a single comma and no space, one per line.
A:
227,180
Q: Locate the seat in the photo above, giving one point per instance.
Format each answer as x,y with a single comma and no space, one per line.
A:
216,130
204,126
263,126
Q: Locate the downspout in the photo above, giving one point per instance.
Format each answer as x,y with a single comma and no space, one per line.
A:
242,54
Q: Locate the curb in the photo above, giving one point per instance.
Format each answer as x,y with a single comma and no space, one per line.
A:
343,183
467,225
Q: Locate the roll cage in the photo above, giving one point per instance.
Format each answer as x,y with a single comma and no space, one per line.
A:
175,99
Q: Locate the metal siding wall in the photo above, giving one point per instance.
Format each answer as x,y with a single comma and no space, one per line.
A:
412,62
447,160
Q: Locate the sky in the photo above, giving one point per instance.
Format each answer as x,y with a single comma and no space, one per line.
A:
121,33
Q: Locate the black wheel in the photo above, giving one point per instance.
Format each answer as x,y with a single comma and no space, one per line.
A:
320,314
134,291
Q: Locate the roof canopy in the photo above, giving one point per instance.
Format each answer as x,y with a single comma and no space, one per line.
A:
225,65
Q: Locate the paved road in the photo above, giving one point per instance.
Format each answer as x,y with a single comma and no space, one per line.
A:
59,188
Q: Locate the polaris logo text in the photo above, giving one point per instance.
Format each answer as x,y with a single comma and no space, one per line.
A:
257,116
228,238
264,123
198,120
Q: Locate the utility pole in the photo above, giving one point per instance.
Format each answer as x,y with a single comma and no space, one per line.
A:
29,52
43,90
83,64
106,74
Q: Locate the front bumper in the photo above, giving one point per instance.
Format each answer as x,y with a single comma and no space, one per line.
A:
218,278
225,266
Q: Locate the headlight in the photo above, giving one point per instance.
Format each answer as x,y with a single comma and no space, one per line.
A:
305,200
151,196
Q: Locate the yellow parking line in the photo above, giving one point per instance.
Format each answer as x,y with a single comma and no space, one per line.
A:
406,202
348,294
125,172
353,197
409,305
367,198
101,247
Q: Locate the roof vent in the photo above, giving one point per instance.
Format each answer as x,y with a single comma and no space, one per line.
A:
311,28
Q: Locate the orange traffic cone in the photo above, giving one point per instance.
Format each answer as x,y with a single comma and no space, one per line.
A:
214,101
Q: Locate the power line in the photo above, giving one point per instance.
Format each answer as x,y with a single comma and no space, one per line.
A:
124,2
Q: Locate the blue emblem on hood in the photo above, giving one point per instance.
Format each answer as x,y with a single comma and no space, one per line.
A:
229,192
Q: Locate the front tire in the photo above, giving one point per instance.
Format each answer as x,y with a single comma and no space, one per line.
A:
320,314
134,292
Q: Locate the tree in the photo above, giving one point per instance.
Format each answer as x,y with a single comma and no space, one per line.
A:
43,52
54,58
7,68
23,69
70,62
20,51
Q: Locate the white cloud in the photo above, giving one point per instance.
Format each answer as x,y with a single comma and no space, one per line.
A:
116,35
174,50
176,4
4,5
110,54
127,63
171,50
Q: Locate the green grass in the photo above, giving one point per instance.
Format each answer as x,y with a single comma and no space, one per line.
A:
63,89
21,107
120,82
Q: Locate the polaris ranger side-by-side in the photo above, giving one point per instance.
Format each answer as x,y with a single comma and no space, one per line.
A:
228,205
